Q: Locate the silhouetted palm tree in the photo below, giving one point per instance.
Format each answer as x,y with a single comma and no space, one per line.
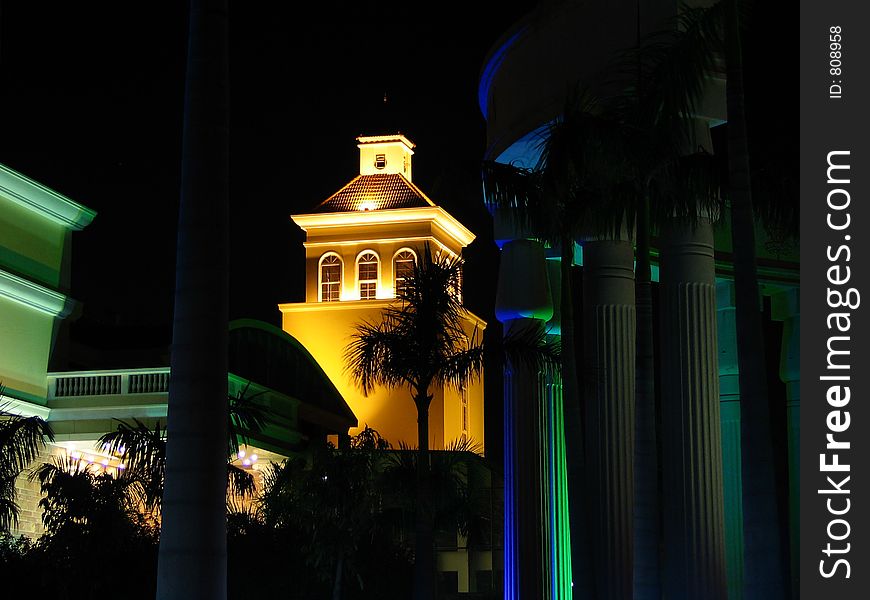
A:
21,439
420,342
336,502
143,450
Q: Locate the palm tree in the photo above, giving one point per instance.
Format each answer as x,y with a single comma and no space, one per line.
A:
192,558
335,502
419,343
21,439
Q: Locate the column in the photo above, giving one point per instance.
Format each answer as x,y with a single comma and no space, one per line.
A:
609,382
786,308
694,561
524,305
560,526
729,417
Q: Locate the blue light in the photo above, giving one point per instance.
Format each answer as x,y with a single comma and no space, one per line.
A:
492,67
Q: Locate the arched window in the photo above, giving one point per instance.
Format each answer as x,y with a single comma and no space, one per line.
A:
403,268
367,275
330,278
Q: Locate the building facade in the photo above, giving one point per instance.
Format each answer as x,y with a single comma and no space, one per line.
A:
361,243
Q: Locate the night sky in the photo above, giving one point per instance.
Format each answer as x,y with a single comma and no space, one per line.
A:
91,105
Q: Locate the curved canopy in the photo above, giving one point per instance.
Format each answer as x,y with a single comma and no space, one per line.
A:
263,353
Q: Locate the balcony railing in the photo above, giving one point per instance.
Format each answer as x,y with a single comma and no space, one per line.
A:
106,383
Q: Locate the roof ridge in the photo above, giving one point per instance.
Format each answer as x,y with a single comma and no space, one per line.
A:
376,191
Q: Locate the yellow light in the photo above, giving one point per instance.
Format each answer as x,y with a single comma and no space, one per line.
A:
367,205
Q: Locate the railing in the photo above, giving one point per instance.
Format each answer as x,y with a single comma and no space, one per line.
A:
107,383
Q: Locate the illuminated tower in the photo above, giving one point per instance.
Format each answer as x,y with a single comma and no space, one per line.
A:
361,243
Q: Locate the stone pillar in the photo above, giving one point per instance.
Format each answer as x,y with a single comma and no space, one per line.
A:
694,560
609,382
786,308
524,303
729,417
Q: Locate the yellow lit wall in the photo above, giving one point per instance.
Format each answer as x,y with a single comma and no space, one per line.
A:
325,330
396,151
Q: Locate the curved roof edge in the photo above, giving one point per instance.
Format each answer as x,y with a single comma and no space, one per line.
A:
343,409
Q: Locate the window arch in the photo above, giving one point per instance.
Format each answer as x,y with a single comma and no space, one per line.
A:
403,267
367,264
329,271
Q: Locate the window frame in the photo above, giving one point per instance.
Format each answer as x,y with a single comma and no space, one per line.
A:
395,270
320,282
377,278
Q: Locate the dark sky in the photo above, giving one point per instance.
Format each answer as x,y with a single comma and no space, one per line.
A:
91,105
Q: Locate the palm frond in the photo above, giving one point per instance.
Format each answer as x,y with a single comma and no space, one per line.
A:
458,369
246,418
240,483
532,349
420,338
143,452
21,439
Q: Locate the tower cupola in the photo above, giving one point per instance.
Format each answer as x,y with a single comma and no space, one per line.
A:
385,154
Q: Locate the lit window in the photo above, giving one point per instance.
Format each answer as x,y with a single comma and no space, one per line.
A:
330,278
403,268
367,269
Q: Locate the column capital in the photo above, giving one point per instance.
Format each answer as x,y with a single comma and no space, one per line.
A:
523,286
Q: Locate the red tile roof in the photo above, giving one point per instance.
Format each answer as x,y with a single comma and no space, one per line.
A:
375,192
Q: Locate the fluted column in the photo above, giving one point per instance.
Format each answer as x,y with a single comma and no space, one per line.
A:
729,417
523,302
560,525
691,441
786,308
609,380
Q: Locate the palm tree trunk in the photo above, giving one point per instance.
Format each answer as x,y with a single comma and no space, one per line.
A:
192,557
762,558
647,530
574,451
424,545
